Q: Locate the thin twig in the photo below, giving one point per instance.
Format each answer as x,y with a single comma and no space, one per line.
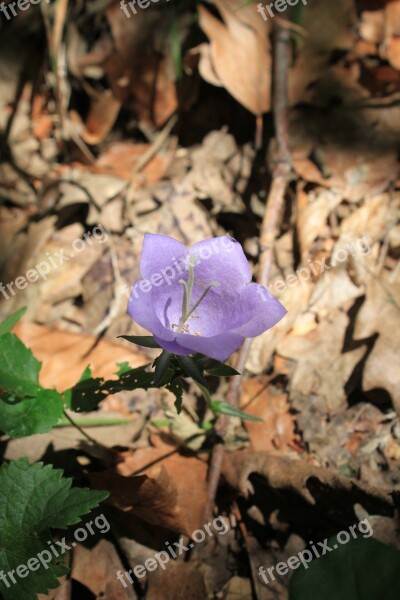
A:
281,170
82,431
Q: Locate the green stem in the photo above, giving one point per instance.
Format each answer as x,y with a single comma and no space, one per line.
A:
93,422
86,435
206,394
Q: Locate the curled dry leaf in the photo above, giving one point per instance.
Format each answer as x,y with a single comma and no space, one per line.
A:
239,55
151,497
306,480
186,474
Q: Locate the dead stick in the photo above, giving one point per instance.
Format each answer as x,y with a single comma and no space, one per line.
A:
269,231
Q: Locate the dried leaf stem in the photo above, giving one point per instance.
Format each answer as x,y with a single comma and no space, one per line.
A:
281,169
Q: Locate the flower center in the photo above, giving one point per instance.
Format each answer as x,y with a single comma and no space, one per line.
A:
187,310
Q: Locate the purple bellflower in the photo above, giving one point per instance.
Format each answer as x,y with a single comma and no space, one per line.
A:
200,299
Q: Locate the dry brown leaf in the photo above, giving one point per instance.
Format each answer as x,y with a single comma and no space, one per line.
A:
295,300
352,173
65,357
239,588
103,113
152,497
120,159
322,368
282,473
147,78
240,53
180,581
380,314
96,569
277,432
188,475
313,212
371,220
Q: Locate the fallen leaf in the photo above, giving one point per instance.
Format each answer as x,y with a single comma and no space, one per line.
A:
120,159
187,475
151,497
277,431
239,53
282,473
65,355
96,568
380,314
322,368
103,113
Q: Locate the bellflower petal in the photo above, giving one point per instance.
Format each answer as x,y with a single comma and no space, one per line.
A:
159,252
263,311
223,259
141,310
173,347
219,347
201,299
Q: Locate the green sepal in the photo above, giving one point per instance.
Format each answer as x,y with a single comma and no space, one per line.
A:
147,341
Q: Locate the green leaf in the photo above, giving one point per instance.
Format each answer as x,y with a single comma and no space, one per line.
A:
34,499
161,363
123,368
175,387
190,368
362,569
147,341
8,324
87,374
223,408
86,395
221,370
31,416
19,369
214,367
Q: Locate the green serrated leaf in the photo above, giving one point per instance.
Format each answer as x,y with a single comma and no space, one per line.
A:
21,418
147,341
33,499
123,368
87,395
362,569
223,408
8,324
87,374
19,369
175,387
191,369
